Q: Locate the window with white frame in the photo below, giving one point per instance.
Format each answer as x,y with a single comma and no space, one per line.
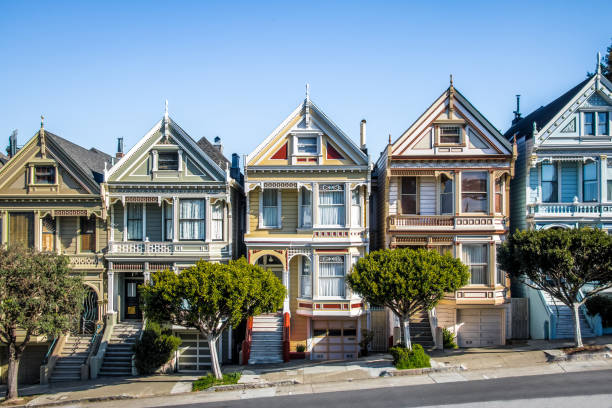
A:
409,195
355,207
450,134
589,123
475,256
549,182
331,275
167,161
331,204
474,196
603,123
192,219
589,182
609,179
305,207
307,145
44,175
134,221
596,123
446,194
168,222
305,278
270,204
216,221
499,195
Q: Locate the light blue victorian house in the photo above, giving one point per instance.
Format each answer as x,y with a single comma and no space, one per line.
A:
563,179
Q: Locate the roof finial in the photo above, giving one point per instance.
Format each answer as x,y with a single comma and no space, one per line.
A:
307,92
42,122
598,70
166,110
43,142
535,128
451,80
389,138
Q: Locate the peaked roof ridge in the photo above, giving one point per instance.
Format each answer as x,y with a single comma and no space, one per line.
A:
544,113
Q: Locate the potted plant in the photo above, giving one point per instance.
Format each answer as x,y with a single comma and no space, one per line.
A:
299,353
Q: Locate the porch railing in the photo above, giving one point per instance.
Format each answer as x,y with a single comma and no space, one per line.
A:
569,209
164,248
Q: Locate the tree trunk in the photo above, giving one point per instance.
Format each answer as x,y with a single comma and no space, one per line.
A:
13,370
405,326
577,332
214,357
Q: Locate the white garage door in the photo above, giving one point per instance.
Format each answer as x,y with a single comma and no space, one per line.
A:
194,354
335,339
479,327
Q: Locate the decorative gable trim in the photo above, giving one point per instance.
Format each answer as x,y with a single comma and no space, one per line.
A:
332,153
281,154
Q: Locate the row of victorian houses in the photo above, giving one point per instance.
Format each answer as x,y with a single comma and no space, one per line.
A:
306,205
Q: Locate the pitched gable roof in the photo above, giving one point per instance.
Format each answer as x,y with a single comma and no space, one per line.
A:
213,152
91,161
543,114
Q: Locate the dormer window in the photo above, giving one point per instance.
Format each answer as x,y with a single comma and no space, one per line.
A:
603,123
168,161
450,134
596,123
589,123
44,175
307,145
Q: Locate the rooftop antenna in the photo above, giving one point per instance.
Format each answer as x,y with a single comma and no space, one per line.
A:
166,124
517,112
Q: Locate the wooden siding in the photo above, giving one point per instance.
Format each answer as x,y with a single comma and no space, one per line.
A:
569,182
118,222
69,227
154,222
427,193
394,193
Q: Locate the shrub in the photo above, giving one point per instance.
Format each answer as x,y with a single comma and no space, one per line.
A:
366,338
602,305
404,358
208,381
155,348
448,339
300,348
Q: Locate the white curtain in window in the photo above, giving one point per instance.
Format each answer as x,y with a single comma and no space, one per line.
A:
355,207
134,221
331,207
306,208
169,221
475,257
217,221
305,279
270,208
192,219
331,276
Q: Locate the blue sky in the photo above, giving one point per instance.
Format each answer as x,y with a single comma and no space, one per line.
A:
100,70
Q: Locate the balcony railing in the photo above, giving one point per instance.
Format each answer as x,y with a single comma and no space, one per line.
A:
569,209
437,222
155,248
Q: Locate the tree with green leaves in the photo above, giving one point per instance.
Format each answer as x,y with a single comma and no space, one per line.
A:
407,281
210,296
560,262
38,297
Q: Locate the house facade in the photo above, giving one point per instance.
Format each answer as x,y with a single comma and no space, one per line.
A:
170,202
308,188
444,185
563,180
50,201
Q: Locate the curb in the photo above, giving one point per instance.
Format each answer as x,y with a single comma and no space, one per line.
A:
422,371
554,358
248,386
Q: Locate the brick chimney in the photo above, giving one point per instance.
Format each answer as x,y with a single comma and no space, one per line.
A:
119,153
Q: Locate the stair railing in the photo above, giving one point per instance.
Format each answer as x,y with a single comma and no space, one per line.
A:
246,344
144,326
552,316
53,353
433,326
594,322
286,336
94,344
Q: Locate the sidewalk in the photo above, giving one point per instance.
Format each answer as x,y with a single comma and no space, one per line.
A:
305,376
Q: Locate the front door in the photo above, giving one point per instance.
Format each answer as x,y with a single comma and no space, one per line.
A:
132,299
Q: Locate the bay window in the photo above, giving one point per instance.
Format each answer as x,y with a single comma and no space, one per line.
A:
168,222
474,191
331,275
305,279
549,183
305,208
331,204
270,204
408,195
589,182
446,194
134,222
216,222
355,207
475,256
192,219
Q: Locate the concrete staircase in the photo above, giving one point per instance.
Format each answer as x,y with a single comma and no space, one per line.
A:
565,319
267,340
73,355
118,357
420,330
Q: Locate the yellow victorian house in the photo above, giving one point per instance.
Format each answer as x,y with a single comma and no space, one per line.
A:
307,187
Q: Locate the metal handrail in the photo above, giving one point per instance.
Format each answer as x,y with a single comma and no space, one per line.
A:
50,350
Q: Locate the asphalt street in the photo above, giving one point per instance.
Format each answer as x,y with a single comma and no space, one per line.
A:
581,389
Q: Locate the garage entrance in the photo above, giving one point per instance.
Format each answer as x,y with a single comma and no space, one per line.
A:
194,354
335,340
479,327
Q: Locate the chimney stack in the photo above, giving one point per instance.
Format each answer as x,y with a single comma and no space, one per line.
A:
517,112
235,169
12,149
362,134
218,144
119,153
